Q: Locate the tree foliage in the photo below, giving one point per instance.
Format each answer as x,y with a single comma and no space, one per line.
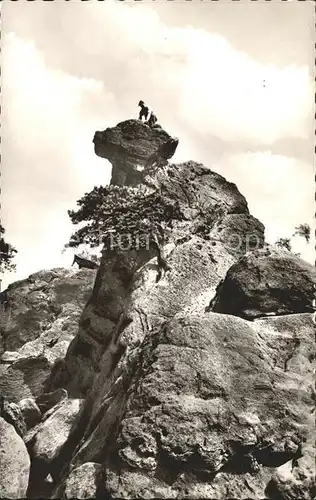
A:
7,253
304,231
110,213
284,243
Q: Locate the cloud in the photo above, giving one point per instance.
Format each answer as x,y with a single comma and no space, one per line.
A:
47,156
215,89
239,99
212,87
278,191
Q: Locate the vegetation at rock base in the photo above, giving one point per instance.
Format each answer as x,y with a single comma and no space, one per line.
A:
124,216
7,253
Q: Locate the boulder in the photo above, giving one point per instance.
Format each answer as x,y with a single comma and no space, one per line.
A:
48,400
30,411
45,441
12,413
203,195
83,482
14,463
40,320
265,282
217,410
296,479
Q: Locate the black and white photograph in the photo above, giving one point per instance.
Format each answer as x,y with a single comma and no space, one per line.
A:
157,249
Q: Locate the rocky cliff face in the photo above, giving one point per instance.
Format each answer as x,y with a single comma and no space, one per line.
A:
184,387
39,318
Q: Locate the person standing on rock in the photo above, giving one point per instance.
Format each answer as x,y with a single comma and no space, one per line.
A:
147,113
144,111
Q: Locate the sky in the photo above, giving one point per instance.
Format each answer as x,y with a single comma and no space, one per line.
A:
233,80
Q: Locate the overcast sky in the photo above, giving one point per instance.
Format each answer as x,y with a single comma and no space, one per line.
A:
233,80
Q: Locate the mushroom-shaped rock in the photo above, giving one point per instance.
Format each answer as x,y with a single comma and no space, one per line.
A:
14,463
129,146
265,282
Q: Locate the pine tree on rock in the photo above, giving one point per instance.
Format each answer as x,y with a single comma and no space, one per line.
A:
126,218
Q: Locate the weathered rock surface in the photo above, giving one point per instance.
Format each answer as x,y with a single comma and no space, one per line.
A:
239,233
47,445
45,441
296,480
11,412
30,411
14,463
267,281
196,267
204,198
48,400
83,482
128,146
216,395
40,320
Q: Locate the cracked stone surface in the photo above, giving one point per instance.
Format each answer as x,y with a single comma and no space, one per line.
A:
83,482
37,327
213,394
14,463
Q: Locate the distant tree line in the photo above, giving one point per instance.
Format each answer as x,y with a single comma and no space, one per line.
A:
7,253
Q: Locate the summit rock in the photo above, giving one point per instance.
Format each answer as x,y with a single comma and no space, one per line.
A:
128,146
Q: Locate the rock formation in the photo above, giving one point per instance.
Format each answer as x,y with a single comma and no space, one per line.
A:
37,323
185,387
128,146
14,463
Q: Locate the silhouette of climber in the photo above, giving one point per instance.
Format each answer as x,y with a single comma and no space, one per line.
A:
148,114
144,110
152,119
